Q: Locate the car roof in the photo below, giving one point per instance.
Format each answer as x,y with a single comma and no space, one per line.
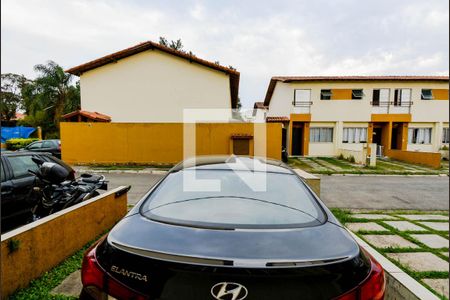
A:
233,162
23,152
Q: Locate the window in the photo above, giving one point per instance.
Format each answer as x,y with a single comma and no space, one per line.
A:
48,144
402,96
426,94
419,135
446,135
35,145
2,171
321,135
302,96
325,94
21,164
357,94
354,135
285,202
380,97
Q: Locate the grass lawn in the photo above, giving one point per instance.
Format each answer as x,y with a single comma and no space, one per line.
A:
334,165
346,217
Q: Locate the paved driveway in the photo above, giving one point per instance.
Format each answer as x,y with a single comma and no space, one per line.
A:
364,192
386,192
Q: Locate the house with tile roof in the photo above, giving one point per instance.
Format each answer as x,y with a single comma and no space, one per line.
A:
151,83
324,115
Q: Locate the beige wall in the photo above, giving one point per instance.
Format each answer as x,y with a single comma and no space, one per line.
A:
153,86
357,110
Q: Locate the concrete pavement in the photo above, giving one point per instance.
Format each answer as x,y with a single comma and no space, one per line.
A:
386,192
359,192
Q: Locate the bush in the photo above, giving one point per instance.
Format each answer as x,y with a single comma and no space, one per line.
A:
351,159
15,144
444,147
52,135
341,156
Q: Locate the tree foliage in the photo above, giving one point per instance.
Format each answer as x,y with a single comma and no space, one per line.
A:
175,45
11,95
44,99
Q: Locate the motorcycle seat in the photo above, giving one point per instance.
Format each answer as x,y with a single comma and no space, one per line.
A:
89,178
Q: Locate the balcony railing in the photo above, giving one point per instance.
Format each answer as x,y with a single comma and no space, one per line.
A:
391,107
302,107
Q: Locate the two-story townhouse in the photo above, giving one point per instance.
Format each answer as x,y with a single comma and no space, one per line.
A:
151,83
322,114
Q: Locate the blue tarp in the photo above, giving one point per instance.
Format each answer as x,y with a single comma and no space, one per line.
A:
16,132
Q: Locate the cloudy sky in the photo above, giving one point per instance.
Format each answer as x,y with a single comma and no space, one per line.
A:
261,38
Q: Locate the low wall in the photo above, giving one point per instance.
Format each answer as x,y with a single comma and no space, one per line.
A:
43,244
359,153
157,143
431,159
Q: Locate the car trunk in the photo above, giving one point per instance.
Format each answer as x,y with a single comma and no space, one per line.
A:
177,262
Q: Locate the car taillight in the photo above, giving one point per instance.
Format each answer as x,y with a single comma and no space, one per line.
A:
99,285
372,288
59,146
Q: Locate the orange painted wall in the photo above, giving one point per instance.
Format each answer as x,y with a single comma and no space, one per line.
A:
430,159
341,94
440,94
153,143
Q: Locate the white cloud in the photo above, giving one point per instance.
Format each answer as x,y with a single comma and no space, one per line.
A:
260,38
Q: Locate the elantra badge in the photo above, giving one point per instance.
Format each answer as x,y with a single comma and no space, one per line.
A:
132,275
223,291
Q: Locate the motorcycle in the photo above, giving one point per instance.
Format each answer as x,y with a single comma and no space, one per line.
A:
55,192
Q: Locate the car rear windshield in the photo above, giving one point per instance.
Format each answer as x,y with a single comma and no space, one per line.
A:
227,199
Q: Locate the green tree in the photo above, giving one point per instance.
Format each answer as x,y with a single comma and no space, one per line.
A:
175,45
10,95
53,91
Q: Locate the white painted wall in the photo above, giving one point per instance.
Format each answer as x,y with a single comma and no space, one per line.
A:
153,86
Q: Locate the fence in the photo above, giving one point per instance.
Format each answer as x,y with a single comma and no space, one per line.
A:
159,143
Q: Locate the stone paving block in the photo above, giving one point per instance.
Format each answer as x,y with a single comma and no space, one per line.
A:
385,241
425,217
71,286
404,226
439,285
374,216
420,261
431,240
442,226
370,226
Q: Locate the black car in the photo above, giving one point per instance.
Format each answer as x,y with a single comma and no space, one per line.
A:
48,146
230,228
17,184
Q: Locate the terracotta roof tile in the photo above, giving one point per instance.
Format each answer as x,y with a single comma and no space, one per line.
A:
277,119
91,115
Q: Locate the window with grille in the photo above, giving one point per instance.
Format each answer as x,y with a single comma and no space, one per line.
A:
446,135
354,135
321,135
419,135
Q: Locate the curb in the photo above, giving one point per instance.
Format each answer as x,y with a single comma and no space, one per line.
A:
399,285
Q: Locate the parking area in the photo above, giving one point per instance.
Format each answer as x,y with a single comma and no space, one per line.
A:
363,192
417,242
